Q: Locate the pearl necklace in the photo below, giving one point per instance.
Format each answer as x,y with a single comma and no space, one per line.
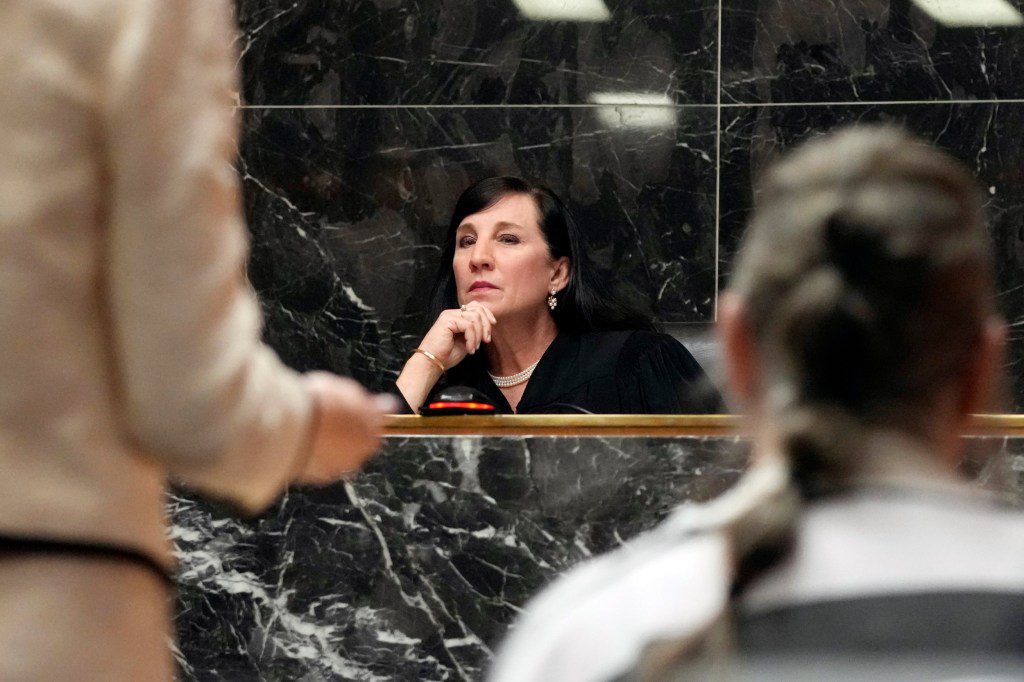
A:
513,379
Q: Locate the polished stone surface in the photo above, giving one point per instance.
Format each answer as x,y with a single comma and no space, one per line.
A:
986,137
414,570
348,208
473,52
348,199
861,51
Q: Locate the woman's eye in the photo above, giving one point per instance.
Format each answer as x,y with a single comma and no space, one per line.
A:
509,239
466,241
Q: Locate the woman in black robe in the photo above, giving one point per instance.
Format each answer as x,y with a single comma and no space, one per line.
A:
520,318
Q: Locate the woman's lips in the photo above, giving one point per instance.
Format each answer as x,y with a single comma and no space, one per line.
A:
477,286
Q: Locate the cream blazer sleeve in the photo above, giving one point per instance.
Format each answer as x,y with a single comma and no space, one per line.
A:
199,391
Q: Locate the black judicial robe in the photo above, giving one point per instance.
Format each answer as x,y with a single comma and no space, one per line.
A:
612,372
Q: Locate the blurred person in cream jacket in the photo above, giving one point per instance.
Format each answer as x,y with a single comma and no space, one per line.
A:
129,337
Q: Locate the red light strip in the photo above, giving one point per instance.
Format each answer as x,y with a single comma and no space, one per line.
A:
462,406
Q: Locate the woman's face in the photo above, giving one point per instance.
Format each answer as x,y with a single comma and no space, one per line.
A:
502,260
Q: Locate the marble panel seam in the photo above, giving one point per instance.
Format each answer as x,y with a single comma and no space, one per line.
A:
720,105
867,103
718,166
588,105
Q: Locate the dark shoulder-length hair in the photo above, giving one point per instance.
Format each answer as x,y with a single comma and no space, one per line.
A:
585,304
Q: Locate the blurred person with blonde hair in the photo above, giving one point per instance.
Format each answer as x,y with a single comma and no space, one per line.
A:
859,333
130,349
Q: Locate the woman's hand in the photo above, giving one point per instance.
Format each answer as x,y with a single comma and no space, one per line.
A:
455,334
347,427
458,333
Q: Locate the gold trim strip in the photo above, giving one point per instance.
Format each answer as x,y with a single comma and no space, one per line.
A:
996,425
655,426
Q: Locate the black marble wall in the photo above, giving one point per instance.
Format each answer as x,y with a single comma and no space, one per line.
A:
364,119
790,70
414,570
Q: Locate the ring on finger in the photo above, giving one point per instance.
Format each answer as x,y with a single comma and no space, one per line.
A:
463,307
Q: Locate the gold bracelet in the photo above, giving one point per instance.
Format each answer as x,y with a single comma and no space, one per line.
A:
430,356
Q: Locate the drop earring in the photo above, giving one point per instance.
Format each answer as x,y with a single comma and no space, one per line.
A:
552,301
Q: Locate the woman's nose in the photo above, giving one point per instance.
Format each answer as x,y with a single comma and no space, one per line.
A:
481,257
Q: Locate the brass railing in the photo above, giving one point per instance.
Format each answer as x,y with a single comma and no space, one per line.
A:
626,425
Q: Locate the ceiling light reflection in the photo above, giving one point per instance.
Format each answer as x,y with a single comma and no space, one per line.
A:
635,109
972,12
564,10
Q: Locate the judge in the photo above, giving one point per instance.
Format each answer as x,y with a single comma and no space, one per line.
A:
522,319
